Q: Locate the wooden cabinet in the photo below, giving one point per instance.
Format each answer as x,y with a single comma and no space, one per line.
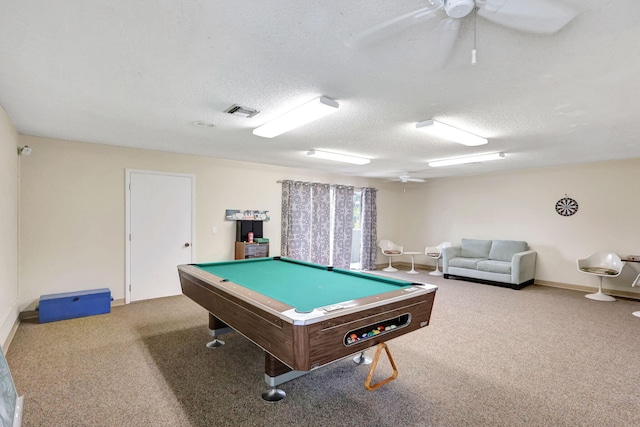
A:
246,250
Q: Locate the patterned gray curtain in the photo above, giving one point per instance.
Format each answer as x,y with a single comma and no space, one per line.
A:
319,238
368,248
342,226
296,219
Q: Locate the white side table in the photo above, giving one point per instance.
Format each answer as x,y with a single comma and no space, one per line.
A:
413,270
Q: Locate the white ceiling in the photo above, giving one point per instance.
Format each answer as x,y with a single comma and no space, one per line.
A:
138,73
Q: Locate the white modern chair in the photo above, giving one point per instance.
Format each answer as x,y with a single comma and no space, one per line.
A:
390,249
635,282
601,264
435,253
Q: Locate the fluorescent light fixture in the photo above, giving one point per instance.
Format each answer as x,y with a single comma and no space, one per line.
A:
449,132
338,157
312,110
468,159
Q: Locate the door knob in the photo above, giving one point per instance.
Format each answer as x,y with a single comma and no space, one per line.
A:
186,245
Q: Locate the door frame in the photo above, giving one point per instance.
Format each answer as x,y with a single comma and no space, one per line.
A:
127,232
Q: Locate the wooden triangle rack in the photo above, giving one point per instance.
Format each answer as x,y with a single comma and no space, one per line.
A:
367,383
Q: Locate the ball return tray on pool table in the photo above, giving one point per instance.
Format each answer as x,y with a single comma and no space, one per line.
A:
304,315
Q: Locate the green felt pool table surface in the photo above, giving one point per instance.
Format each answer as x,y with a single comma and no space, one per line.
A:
304,286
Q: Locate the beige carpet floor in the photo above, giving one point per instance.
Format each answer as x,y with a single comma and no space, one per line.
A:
490,357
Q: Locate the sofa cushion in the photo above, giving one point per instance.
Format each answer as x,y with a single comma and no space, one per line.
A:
503,250
465,262
472,248
493,266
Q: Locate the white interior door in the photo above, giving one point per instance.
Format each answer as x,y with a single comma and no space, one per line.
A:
160,232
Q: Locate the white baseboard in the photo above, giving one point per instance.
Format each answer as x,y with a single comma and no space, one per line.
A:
12,333
587,289
580,288
33,314
407,265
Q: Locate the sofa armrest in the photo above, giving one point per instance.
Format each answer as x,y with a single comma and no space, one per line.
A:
447,255
523,267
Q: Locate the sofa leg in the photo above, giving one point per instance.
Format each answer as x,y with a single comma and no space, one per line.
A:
446,276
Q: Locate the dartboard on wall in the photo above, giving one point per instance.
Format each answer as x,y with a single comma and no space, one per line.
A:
566,206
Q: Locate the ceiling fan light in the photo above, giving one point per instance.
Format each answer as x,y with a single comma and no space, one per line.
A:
443,130
306,113
465,160
338,157
459,8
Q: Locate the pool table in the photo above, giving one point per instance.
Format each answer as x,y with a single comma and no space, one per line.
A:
304,315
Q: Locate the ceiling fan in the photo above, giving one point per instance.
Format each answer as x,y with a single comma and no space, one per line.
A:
405,177
533,16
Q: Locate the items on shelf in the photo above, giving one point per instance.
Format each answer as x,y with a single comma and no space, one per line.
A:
246,250
243,228
250,242
247,215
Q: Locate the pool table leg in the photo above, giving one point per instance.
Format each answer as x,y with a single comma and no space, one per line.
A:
217,327
276,373
361,359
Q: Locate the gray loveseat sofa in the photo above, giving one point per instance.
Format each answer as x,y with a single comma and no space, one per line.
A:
495,262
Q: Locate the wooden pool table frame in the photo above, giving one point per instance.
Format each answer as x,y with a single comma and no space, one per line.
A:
297,341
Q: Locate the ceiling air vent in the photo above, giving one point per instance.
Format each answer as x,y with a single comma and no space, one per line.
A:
238,110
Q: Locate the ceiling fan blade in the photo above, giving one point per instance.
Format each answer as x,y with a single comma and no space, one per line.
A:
391,27
446,34
405,177
534,16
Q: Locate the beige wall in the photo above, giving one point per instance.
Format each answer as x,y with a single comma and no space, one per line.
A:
72,215
9,167
73,210
521,206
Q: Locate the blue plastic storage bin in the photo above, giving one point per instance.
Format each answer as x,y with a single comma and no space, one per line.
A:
69,305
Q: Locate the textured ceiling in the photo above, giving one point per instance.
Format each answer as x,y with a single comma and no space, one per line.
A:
138,73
